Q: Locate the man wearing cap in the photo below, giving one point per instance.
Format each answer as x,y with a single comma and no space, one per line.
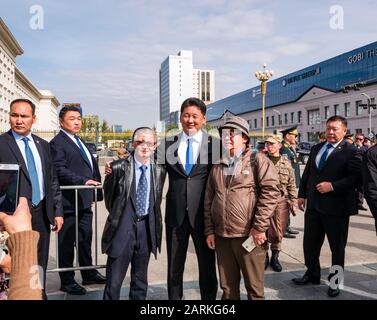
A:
288,199
289,150
241,196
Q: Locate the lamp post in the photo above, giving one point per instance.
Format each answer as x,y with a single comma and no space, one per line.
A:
369,106
263,77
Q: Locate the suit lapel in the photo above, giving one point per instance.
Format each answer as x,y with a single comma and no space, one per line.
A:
76,147
41,153
335,151
17,153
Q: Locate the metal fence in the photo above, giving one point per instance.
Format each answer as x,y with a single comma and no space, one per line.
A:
77,266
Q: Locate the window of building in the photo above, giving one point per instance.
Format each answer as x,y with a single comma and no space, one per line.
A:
285,118
359,110
327,112
314,117
292,117
358,131
347,109
267,121
250,124
336,110
255,123
273,121
279,119
299,116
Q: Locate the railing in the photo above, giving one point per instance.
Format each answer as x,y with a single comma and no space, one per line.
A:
77,267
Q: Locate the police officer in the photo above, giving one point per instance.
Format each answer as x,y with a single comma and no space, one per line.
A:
289,150
288,200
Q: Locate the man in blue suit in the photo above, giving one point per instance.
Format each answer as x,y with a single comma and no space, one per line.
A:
133,192
75,165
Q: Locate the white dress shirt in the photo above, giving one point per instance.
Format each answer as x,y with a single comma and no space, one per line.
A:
72,137
196,144
323,149
37,158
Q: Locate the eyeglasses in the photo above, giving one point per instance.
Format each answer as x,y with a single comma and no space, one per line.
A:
142,143
361,139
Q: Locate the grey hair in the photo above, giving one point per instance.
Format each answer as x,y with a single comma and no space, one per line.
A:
143,130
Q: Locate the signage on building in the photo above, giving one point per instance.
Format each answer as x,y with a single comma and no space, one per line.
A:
357,57
301,76
256,92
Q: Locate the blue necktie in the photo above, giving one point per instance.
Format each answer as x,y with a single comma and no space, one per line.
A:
323,159
141,193
82,150
32,169
189,157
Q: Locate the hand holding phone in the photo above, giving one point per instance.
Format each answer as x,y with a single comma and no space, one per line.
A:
249,245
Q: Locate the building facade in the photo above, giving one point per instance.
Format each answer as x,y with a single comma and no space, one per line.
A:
14,85
308,97
179,81
204,85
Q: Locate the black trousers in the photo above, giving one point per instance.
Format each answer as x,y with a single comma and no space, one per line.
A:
137,252
318,225
67,239
177,239
41,224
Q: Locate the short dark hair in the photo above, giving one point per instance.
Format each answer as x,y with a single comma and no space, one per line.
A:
65,109
337,118
141,129
194,102
31,104
360,134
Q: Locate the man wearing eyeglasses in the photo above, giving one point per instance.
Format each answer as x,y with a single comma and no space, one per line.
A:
133,230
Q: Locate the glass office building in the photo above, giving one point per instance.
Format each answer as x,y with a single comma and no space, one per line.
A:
333,78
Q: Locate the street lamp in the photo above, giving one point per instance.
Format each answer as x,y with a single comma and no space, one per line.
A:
263,77
369,106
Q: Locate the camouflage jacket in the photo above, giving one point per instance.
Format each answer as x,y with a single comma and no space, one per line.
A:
287,180
290,153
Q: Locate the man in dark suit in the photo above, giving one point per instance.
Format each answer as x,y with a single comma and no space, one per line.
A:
188,158
133,193
328,192
38,181
288,150
370,180
75,165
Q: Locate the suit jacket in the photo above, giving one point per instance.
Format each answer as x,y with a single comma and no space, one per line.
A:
73,168
343,170
10,153
186,192
117,189
370,180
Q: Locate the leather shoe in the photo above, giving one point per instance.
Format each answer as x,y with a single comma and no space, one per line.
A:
333,292
97,279
289,236
291,231
305,279
73,289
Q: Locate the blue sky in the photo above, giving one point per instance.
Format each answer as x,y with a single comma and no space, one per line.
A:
106,54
